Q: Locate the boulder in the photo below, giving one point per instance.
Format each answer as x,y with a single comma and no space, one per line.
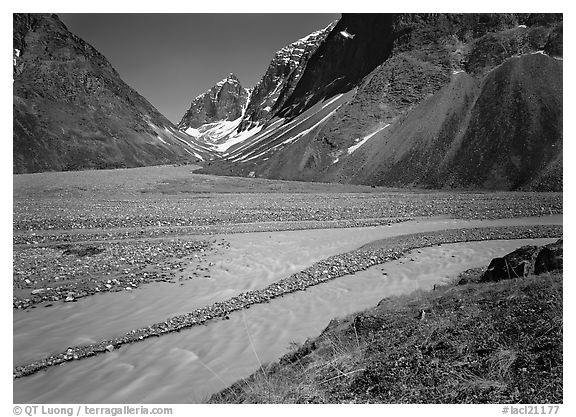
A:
513,265
82,251
549,258
524,261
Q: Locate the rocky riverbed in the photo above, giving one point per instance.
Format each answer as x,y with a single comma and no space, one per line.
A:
333,267
32,215
69,272
84,233
41,238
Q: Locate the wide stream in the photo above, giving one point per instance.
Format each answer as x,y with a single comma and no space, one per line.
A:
190,365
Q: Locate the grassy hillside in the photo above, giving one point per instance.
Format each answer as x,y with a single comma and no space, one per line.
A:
472,343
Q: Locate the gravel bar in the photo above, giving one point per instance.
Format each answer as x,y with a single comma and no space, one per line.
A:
101,235
375,253
68,272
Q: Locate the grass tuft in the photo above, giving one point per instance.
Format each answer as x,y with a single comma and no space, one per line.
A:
476,343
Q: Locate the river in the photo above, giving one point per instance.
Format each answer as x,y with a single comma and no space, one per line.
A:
191,365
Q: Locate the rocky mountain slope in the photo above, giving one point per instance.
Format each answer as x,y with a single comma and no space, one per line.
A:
227,114
497,132
71,109
428,100
469,101
281,78
223,102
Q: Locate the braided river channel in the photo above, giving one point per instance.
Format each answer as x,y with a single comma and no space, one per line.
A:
189,366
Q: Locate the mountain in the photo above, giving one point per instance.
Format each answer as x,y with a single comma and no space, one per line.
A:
71,109
466,101
469,101
281,78
225,101
496,132
227,114
214,116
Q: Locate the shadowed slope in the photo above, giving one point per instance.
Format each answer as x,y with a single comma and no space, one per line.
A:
72,110
501,132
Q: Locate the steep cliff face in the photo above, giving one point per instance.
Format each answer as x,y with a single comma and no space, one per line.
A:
281,78
356,45
73,111
225,101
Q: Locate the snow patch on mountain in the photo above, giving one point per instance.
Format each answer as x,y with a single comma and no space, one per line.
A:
292,138
365,139
332,100
195,154
212,132
347,34
192,132
310,129
237,138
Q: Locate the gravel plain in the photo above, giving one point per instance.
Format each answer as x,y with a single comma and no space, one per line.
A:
79,234
71,271
138,225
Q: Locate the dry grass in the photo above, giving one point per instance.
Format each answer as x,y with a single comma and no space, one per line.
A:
476,343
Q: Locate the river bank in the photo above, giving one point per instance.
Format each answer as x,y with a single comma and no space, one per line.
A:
318,273
494,342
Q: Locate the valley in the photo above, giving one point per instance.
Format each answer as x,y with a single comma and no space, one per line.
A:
263,245
440,101
237,255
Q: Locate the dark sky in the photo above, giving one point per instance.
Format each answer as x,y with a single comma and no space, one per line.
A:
172,58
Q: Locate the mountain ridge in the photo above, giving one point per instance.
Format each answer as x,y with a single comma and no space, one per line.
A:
225,101
71,109
219,128
406,100
428,52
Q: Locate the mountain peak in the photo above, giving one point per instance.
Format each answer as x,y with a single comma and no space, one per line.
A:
230,79
281,77
225,101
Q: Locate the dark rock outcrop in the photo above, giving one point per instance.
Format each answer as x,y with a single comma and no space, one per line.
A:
356,45
524,261
554,44
516,264
549,258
